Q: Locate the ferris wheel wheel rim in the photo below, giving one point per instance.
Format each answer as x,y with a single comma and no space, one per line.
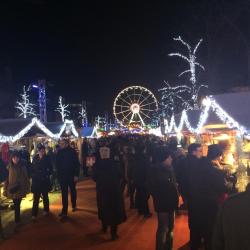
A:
125,90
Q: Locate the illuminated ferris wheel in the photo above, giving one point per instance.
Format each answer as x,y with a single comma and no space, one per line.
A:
135,105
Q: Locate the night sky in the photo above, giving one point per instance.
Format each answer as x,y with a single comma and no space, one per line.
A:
90,50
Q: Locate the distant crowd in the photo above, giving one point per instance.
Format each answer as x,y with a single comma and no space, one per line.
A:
139,167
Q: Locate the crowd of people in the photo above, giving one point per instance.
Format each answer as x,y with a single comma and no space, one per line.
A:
139,167
21,177
148,167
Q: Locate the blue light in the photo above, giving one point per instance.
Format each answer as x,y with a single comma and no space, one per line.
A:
35,86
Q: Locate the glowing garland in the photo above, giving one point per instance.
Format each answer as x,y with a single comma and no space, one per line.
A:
209,103
36,122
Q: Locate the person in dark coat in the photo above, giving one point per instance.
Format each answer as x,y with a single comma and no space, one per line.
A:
41,170
142,165
232,229
68,168
54,179
85,151
109,196
163,188
131,176
183,168
206,187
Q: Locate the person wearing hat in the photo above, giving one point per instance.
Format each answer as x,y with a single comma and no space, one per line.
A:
17,185
162,186
40,172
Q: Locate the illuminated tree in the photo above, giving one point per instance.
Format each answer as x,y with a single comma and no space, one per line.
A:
24,107
62,109
191,59
173,99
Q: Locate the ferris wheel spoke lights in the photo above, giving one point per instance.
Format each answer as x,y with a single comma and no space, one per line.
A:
135,104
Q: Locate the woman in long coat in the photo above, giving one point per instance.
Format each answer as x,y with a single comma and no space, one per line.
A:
110,202
17,185
41,185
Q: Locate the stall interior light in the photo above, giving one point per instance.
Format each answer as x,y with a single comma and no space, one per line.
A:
209,104
222,137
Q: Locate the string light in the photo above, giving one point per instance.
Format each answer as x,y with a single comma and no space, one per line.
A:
171,97
36,122
24,107
62,109
210,104
83,115
191,59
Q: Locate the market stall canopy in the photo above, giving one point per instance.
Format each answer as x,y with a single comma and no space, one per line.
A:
12,130
60,128
228,110
89,132
10,127
237,106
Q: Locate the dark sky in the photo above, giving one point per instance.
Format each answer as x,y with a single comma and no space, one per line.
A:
90,50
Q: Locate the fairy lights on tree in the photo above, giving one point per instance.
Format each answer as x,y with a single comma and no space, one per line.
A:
62,109
173,99
192,61
24,107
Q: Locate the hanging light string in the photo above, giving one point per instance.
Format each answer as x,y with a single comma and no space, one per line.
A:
210,104
37,123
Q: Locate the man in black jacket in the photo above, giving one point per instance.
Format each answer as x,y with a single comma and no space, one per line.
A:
68,168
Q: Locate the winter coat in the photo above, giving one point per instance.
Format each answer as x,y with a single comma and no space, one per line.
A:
67,164
162,186
206,187
183,168
141,169
108,192
17,184
41,170
131,167
232,230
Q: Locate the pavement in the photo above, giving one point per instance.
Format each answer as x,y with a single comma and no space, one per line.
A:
82,230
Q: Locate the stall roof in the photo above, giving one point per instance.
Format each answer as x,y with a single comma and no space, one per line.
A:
231,109
54,127
12,130
236,105
10,127
89,132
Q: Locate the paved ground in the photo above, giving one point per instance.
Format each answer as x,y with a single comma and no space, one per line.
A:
82,229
